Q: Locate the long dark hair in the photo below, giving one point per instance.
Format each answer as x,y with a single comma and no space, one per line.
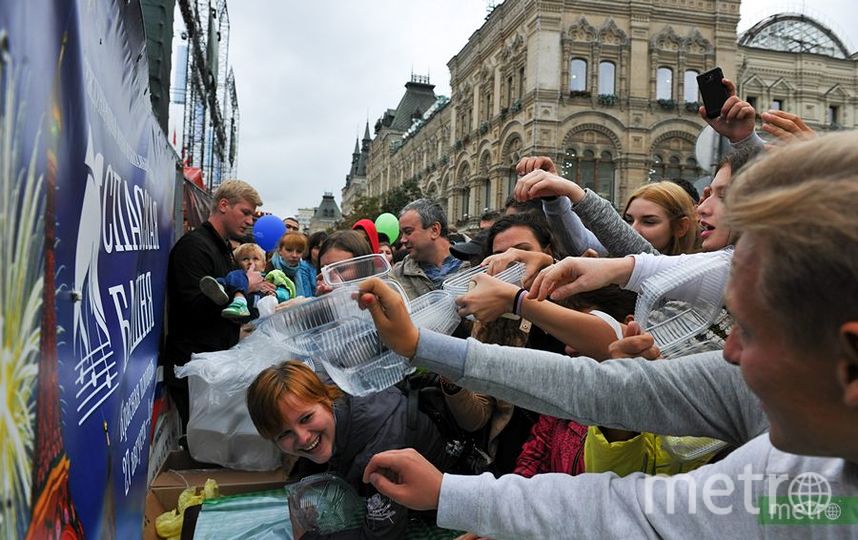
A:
316,240
533,221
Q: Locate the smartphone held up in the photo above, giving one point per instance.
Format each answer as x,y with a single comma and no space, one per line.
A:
713,91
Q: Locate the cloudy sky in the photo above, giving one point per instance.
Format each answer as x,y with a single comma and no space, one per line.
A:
310,74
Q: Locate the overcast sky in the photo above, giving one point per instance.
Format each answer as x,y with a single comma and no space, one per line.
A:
310,74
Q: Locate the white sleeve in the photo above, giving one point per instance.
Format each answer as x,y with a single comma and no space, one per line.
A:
612,322
647,264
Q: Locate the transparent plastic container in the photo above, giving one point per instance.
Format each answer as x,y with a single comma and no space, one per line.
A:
309,314
460,283
688,449
352,355
355,270
682,302
325,503
436,311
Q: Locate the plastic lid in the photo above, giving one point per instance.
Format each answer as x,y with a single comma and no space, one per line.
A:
460,283
436,311
325,503
309,314
682,302
352,355
355,270
688,449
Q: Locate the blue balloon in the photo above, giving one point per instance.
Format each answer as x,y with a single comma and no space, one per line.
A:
267,232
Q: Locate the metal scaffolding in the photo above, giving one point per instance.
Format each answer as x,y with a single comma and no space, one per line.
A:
211,105
232,119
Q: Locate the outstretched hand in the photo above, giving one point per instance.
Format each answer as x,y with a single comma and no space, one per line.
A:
488,300
390,316
635,343
786,126
538,183
737,118
530,164
575,275
406,477
534,261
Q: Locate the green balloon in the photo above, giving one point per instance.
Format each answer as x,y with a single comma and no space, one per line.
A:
388,224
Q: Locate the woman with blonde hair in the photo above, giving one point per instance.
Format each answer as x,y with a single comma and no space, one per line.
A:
664,214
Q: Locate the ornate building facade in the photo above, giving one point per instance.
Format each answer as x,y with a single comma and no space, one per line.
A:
607,88
793,62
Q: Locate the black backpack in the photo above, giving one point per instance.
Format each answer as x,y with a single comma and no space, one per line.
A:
465,451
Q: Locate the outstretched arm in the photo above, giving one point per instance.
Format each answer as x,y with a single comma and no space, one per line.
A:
701,395
600,505
491,298
592,225
596,213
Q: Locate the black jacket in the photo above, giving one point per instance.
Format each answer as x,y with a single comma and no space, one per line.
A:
194,323
366,426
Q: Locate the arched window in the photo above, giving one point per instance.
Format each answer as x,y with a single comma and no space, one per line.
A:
673,169
691,171
605,176
466,202
511,180
664,83
578,75
673,158
589,160
569,169
487,195
587,168
689,83
607,78
656,173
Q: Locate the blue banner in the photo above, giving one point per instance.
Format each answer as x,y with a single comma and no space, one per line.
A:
86,206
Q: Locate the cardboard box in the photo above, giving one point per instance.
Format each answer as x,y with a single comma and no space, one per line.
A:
181,471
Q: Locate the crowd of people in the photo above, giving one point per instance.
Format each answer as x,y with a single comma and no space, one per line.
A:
555,375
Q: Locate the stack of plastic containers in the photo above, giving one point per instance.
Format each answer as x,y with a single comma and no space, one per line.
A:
460,283
348,347
677,306
435,310
352,355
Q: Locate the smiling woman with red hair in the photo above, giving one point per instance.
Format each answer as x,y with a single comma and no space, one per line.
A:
305,417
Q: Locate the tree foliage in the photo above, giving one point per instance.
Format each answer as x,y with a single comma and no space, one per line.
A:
393,201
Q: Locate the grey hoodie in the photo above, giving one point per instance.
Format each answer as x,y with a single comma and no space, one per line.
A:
700,395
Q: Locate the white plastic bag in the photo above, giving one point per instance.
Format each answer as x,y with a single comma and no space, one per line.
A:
219,428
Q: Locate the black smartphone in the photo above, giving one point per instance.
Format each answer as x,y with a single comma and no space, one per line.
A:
713,91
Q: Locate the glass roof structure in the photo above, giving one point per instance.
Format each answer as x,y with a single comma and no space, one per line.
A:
794,33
